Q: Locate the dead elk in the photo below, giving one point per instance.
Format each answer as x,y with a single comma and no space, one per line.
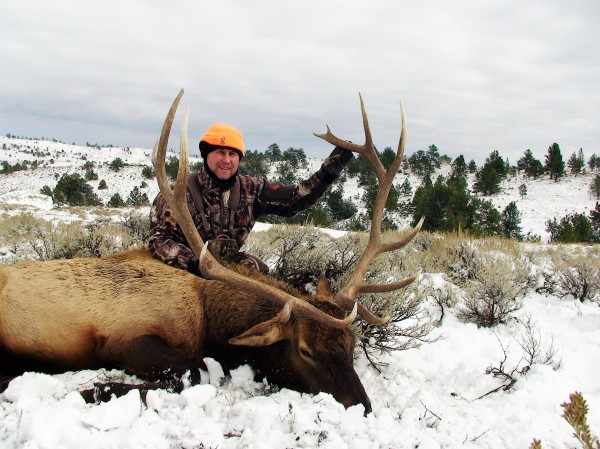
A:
133,312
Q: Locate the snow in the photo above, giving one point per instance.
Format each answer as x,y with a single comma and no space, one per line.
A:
431,397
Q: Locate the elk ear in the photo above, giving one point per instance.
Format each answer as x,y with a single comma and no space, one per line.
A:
324,287
267,332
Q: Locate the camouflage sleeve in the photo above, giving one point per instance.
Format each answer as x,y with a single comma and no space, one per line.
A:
287,200
167,242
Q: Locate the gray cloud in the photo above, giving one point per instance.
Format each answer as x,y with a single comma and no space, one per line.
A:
473,76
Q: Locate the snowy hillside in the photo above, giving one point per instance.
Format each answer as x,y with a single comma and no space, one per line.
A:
441,395
20,190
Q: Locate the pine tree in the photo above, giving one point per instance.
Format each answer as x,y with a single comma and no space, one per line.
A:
488,178
74,191
554,163
523,190
595,219
340,208
576,162
116,201
595,187
487,181
137,198
433,157
530,165
594,162
573,228
273,153
459,169
511,222
387,157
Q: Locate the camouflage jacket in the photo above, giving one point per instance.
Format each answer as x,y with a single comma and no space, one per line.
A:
258,197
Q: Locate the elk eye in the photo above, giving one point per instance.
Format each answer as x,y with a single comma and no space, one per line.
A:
306,353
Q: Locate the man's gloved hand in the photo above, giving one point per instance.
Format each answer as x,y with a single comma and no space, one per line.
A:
334,164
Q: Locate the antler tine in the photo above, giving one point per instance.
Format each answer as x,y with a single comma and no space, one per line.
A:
367,150
209,266
375,246
176,197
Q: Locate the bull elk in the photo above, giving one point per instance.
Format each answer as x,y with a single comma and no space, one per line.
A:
133,312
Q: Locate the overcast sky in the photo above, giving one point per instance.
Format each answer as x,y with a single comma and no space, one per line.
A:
473,76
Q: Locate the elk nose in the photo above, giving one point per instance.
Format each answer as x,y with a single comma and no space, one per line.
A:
367,405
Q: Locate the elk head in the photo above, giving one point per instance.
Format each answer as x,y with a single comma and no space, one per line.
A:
310,338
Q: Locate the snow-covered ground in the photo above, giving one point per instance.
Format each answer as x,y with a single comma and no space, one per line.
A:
431,397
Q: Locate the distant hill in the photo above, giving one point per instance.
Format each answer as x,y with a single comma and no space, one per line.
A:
20,190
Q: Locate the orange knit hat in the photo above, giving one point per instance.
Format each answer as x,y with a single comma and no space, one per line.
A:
219,135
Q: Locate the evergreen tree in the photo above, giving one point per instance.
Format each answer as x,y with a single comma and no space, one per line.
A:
458,174
286,173
254,164
405,192
594,162
487,181
295,157
357,166
530,165
405,189
137,198
273,153
511,222
573,228
419,164
74,191
448,207
116,164
595,187
90,175
148,172
433,158
487,220
523,190
488,178
116,201
576,162
554,163
595,219
472,166
340,208
171,167
387,157
496,161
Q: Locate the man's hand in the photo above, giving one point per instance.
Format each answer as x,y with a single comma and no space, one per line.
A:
334,164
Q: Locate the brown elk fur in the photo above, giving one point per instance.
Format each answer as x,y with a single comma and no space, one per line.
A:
136,313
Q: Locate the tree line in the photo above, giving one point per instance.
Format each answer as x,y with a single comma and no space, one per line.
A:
447,201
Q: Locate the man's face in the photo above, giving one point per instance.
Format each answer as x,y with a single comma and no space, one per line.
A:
223,163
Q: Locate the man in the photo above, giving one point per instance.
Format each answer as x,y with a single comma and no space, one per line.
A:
225,205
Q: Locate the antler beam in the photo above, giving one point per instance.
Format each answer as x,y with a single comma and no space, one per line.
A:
375,246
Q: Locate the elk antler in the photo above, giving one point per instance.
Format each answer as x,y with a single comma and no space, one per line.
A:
375,246
210,268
